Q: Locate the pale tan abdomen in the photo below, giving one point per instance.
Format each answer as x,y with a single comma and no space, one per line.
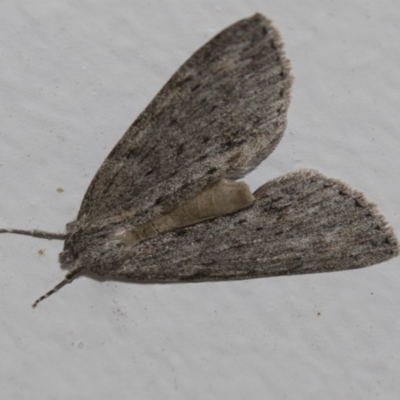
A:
222,198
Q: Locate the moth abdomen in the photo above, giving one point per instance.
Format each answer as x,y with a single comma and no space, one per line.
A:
221,198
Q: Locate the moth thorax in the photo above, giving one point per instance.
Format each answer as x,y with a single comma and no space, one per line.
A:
222,198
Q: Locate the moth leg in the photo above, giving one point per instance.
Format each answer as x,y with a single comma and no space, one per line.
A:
68,279
36,233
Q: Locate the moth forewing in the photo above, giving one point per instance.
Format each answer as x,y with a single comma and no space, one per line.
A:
219,116
299,223
221,198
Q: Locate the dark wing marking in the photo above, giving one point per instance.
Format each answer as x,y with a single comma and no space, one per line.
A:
300,223
219,115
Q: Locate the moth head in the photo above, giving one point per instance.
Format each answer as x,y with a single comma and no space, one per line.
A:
69,255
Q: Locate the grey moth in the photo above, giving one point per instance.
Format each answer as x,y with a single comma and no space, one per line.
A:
165,205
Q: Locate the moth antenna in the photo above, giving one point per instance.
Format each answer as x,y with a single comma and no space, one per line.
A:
36,233
68,279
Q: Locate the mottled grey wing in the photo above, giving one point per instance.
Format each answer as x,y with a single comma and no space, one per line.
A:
219,116
300,223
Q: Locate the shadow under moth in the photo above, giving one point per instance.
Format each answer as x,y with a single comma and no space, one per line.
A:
165,205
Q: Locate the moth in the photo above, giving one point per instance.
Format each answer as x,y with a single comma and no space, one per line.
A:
166,206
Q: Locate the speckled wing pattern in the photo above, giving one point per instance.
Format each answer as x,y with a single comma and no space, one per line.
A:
300,223
219,116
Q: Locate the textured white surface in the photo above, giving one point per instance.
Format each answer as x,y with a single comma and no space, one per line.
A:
74,75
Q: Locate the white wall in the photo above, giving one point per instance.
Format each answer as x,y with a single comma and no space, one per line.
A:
74,75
